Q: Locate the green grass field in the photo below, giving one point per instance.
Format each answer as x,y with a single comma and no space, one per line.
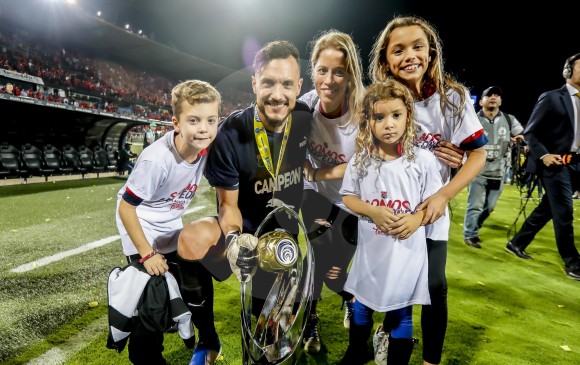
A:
502,309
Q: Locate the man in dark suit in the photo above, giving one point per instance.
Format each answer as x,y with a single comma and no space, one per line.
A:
553,132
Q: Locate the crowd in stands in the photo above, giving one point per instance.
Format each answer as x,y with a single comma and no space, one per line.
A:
89,82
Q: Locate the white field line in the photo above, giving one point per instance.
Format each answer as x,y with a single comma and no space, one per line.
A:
59,355
75,251
54,356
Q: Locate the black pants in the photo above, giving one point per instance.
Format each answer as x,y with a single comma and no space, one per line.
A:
197,292
556,205
332,246
434,316
146,346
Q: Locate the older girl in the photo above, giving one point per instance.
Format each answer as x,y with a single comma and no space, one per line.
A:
409,50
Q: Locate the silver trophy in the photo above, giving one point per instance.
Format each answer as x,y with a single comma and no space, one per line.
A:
276,336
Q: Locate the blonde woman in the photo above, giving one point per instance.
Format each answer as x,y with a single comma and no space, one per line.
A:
336,72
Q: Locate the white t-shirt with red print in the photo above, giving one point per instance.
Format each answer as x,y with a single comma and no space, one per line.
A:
436,125
331,142
166,184
388,273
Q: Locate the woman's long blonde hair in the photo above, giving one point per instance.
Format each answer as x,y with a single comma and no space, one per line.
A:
343,43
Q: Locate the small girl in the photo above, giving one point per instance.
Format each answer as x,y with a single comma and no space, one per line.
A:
385,180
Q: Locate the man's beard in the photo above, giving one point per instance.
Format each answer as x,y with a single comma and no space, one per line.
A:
272,123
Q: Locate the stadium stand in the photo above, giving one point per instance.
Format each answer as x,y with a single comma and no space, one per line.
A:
86,160
71,160
53,159
11,163
32,158
112,158
72,96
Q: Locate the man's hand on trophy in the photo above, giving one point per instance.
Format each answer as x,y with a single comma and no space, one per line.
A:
242,254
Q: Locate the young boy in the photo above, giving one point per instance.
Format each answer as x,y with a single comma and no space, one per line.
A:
163,182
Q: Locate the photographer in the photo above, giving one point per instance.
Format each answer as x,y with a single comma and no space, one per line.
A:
502,129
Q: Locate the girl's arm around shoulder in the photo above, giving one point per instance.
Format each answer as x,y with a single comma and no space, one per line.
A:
473,164
436,204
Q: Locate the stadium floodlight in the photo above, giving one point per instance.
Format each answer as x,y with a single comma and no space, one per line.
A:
99,13
140,31
127,26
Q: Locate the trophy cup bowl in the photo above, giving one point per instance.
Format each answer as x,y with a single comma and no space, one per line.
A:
277,251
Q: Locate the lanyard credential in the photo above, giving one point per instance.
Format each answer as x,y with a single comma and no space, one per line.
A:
263,145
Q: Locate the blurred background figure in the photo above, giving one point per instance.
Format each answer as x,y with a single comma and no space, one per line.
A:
501,129
149,135
552,132
126,162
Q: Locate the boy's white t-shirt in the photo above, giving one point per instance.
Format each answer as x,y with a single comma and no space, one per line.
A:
167,185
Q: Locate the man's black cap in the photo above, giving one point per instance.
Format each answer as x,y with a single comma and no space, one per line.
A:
491,90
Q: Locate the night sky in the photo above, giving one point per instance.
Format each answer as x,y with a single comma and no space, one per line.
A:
521,50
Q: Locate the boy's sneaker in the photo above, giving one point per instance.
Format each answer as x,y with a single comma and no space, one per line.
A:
380,345
311,337
204,355
348,312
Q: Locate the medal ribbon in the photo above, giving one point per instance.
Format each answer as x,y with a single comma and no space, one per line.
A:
263,145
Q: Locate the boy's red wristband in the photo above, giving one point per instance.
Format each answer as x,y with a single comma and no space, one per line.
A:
147,257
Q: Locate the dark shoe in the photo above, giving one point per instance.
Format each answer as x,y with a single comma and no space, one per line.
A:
400,350
573,272
511,248
311,337
356,352
473,242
